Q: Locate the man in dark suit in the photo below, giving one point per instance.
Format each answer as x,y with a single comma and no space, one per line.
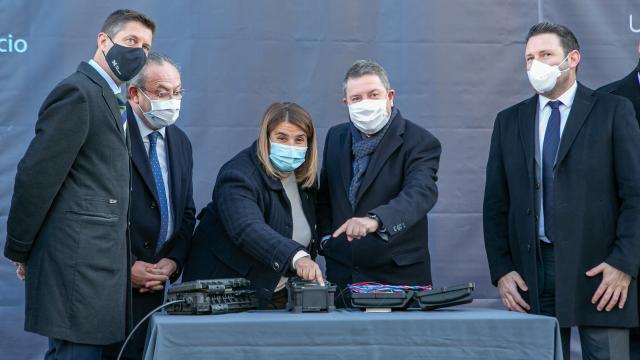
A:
162,208
629,87
377,184
67,227
562,201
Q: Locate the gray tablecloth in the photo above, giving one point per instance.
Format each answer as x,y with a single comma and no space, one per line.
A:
464,333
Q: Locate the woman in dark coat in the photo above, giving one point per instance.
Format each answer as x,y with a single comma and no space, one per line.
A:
260,224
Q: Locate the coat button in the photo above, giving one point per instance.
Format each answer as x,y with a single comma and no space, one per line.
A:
528,211
276,266
153,204
537,218
146,244
537,186
528,247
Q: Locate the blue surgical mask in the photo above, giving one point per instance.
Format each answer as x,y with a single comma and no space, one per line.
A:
287,158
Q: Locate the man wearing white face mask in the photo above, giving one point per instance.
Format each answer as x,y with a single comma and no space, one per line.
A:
562,201
162,208
377,184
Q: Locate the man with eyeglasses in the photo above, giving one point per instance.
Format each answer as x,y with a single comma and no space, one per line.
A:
162,208
68,224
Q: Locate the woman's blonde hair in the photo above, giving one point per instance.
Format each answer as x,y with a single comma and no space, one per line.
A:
293,113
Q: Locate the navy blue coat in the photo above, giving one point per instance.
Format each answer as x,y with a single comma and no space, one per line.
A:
145,216
628,87
399,186
245,231
145,212
597,206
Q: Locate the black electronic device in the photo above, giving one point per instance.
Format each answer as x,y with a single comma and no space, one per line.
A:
394,300
445,297
309,296
381,297
216,296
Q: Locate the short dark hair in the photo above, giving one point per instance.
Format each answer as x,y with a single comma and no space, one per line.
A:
365,67
567,38
119,18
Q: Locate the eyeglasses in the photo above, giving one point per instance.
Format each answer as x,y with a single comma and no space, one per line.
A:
166,95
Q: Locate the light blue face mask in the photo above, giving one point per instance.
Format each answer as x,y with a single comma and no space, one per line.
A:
287,158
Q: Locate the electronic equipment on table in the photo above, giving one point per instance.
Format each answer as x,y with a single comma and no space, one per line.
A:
376,297
216,296
309,296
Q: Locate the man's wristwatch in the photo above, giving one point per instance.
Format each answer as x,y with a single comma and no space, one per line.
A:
381,228
376,218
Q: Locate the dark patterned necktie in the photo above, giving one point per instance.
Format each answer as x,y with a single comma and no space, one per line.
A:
549,151
162,195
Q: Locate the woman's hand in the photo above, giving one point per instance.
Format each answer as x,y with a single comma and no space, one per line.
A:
309,270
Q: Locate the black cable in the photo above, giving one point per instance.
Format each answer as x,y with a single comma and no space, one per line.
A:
341,295
124,345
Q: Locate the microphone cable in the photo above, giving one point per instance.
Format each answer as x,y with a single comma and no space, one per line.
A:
124,345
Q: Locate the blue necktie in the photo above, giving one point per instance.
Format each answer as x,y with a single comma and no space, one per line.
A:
549,151
122,105
162,195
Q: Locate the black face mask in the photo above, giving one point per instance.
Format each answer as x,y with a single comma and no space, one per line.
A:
125,62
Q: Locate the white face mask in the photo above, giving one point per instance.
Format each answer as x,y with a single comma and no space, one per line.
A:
369,116
543,77
163,112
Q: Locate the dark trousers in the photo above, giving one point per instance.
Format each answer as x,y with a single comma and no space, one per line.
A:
143,303
596,342
634,342
279,300
66,350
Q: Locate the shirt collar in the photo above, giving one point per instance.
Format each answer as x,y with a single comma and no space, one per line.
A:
112,84
566,98
144,129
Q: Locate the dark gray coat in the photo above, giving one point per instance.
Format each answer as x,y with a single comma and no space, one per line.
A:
597,182
68,217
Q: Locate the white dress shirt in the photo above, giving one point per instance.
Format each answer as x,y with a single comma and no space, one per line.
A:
161,150
544,112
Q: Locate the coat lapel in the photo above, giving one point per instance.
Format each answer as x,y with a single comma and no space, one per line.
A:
175,180
582,104
390,142
139,155
527,130
107,94
345,159
630,88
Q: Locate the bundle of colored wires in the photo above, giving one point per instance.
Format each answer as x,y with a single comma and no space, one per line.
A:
376,288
